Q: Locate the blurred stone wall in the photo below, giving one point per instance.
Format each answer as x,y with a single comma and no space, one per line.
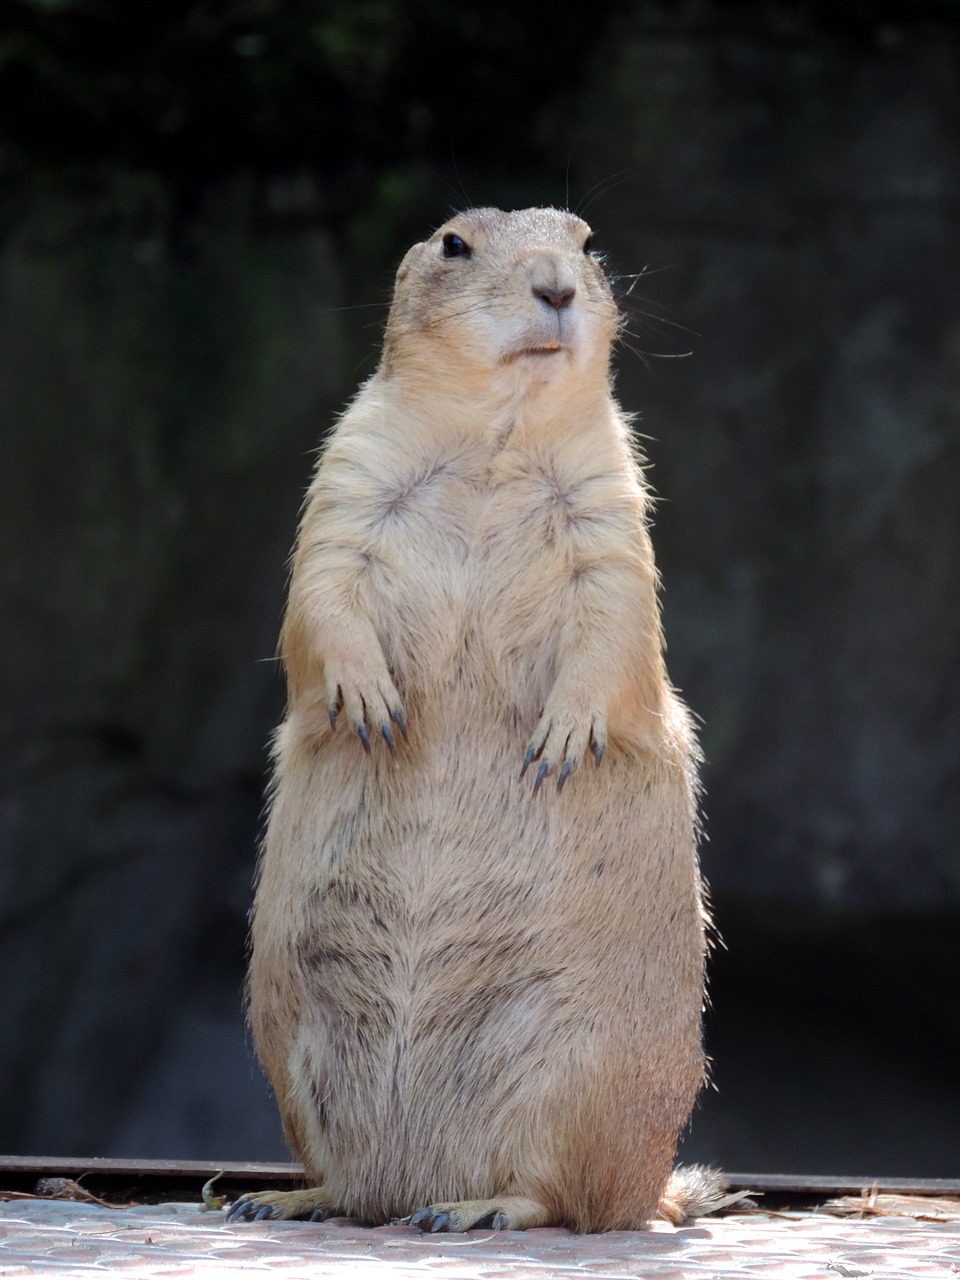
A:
805,198
161,408
791,196
797,199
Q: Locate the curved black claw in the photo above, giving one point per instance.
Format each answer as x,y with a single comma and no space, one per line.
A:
431,1219
598,749
364,737
565,773
244,1210
320,1214
396,715
388,739
541,774
528,760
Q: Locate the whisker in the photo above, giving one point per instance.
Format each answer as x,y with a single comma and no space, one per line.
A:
641,355
646,317
483,304
646,356
641,300
566,192
458,196
647,271
456,171
602,188
358,306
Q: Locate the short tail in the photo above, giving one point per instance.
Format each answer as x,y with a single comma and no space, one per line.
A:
694,1190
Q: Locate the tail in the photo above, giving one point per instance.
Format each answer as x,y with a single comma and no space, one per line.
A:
694,1190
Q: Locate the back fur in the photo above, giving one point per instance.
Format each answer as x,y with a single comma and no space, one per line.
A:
466,998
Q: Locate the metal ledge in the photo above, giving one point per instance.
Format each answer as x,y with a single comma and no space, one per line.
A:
182,1179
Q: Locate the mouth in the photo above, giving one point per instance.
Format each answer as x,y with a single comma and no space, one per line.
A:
538,352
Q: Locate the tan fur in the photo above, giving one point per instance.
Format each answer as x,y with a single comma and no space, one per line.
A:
461,992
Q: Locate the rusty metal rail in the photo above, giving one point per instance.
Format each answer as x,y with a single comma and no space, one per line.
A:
145,1180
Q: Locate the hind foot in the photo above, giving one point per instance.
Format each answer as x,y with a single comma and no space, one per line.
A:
310,1205
507,1213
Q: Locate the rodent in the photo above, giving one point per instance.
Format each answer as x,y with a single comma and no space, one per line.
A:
478,933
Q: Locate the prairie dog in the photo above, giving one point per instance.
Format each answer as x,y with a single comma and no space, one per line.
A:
478,934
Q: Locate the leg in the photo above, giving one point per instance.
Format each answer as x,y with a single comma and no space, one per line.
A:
312,1204
507,1213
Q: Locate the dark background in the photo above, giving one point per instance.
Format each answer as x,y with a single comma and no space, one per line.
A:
201,208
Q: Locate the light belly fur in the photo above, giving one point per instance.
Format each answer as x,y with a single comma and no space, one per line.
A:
431,982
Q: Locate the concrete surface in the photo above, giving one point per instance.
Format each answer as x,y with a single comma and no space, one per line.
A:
40,1238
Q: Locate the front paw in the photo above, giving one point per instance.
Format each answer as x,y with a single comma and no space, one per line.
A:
369,702
311,1204
502,1214
561,740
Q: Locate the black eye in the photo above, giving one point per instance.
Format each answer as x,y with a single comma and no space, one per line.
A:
588,244
454,247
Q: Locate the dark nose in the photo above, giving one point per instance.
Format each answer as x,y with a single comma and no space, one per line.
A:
556,298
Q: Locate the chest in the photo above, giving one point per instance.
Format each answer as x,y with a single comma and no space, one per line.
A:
474,557
464,528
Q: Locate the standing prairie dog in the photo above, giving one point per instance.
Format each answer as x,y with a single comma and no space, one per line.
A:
479,1005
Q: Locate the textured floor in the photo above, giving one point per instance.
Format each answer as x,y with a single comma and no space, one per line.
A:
62,1238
